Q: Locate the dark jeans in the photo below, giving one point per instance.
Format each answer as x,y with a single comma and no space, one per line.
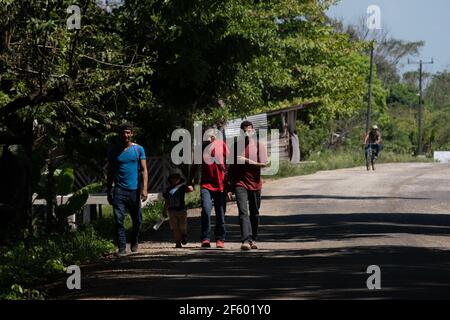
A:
377,148
123,200
208,197
248,201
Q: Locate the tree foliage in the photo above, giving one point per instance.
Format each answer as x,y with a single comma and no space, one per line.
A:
162,64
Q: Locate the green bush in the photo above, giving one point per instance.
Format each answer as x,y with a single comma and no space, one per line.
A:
150,215
311,139
25,266
193,199
86,245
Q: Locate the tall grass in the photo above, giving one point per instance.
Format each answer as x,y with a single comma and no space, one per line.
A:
338,160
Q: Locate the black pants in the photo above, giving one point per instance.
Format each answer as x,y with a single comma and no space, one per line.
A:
248,203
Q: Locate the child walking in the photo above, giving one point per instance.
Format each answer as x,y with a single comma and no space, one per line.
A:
175,206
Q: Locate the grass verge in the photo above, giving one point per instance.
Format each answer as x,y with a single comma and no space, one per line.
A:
25,266
340,160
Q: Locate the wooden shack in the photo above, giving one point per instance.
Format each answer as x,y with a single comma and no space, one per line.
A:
286,127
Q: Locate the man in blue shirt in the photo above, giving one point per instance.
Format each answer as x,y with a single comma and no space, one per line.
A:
126,161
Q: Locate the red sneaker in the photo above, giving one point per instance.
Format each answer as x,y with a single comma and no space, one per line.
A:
220,244
206,244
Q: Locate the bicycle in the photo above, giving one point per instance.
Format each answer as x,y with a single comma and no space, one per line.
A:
370,156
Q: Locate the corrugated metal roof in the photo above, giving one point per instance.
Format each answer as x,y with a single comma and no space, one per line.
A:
233,127
232,130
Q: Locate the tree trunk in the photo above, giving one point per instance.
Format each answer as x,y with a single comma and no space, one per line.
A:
50,193
28,192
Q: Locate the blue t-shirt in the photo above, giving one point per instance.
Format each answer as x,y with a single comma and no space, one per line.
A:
126,165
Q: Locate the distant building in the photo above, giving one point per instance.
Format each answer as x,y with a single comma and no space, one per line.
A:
288,144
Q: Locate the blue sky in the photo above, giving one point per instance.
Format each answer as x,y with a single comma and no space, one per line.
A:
411,20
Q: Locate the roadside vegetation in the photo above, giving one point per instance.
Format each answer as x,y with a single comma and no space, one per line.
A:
340,160
163,66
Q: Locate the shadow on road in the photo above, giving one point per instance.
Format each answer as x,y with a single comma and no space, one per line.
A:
318,227
318,196
411,273
332,273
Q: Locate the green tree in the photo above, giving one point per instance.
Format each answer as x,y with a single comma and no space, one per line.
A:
58,87
438,91
161,64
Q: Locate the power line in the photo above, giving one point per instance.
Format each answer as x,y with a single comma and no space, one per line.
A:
369,98
420,63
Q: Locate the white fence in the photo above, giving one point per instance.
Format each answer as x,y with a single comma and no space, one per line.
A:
95,199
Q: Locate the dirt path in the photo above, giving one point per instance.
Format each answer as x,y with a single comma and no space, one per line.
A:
319,234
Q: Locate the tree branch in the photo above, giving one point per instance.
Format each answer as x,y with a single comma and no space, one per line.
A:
52,95
9,139
59,76
102,62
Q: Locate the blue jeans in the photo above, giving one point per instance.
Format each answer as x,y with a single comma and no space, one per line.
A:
207,198
248,202
377,148
122,200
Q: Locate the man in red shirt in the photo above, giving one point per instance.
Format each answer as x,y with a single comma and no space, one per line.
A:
246,182
213,188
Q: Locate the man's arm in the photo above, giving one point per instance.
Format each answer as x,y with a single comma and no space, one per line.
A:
379,139
252,162
194,173
366,138
262,156
229,181
144,193
109,182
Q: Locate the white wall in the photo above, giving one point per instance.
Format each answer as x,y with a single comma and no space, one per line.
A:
442,156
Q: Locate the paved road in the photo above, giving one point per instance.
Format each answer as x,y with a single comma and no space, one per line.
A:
319,234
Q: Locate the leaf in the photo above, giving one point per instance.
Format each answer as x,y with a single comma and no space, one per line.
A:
65,181
77,201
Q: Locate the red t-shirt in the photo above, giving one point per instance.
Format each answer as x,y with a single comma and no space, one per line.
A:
247,175
213,166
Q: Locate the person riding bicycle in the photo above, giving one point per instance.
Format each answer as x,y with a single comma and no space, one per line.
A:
373,137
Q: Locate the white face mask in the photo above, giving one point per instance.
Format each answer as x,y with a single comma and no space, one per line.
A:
250,133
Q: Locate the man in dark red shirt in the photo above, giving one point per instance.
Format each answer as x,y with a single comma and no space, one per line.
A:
213,188
246,182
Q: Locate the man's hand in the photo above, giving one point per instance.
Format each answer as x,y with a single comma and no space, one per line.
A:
144,195
230,196
110,197
253,162
247,160
244,159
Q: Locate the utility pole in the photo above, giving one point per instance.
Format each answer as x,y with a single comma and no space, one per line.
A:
420,63
369,102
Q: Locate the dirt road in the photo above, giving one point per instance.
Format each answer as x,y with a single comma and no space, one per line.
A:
319,233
